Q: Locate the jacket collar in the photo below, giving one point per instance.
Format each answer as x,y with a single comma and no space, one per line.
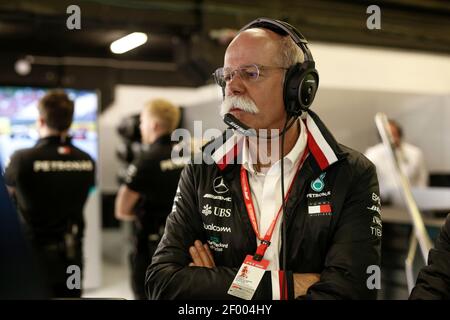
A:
321,143
324,148
163,140
53,140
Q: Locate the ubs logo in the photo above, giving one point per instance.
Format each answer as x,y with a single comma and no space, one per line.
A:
218,212
219,185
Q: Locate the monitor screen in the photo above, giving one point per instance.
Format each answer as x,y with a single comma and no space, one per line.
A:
18,115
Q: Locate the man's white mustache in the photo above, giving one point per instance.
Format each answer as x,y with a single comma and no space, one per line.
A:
238,102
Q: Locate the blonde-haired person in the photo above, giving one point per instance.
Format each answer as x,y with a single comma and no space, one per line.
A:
146,196
159,117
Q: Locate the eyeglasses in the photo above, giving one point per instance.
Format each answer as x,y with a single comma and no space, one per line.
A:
250,72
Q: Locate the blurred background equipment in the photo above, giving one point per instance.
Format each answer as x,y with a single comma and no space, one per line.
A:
409,220
419,235
130,146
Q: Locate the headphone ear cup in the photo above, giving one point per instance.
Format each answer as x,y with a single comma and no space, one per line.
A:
290,89
309,83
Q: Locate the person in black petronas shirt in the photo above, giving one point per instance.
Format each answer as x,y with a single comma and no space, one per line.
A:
150,185
50,183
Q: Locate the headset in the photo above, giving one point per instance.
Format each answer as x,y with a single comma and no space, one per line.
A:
301,80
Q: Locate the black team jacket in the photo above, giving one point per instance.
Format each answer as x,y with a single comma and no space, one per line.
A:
343,245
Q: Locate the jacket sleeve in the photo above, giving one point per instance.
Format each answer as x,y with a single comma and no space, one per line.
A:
12,170
433,282
169,276
352,262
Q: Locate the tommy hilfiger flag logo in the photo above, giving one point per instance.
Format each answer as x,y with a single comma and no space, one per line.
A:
320,209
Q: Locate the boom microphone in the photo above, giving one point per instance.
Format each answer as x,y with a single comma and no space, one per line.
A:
245,130
233,122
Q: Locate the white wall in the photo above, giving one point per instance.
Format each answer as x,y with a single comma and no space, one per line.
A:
355,82
369,68
411,87
349,115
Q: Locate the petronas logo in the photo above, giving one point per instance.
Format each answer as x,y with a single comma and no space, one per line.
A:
318,184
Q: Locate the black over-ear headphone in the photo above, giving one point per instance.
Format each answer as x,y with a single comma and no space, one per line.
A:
302,79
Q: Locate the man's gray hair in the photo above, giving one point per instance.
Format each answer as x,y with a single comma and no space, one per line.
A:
290,53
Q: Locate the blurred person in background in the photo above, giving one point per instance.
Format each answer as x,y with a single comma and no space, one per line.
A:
50,183
147,193
411,160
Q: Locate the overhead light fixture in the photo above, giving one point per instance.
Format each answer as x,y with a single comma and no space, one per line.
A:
23,65
129,42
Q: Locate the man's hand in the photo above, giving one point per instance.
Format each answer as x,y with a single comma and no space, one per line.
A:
201,255
302,282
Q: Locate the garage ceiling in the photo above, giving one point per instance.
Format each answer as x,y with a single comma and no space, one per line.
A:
180,50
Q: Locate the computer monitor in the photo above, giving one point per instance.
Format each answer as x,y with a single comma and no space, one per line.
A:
18,115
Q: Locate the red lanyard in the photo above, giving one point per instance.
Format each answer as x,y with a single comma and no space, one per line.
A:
265,241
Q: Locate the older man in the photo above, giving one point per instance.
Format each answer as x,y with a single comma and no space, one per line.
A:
224,237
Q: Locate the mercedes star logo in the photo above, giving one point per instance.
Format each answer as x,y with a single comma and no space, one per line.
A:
219,186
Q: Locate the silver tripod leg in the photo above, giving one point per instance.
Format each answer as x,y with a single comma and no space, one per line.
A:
409,261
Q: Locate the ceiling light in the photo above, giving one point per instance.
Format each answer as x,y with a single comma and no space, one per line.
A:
23,65
128,42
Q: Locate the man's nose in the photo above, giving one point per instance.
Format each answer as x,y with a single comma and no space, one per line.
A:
235,86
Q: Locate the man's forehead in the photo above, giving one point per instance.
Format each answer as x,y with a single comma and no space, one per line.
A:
255,45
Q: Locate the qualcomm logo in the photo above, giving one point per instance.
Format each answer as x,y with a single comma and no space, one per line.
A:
206,210
219,186
213,227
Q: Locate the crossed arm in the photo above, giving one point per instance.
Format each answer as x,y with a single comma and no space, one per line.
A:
180,271
202,257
